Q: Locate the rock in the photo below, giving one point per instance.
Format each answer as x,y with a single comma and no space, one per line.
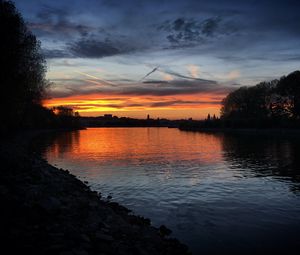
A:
66,253
55,247
117,207
104,237
57,235
93,204
85,238
50,204
3,190
105,230
80,252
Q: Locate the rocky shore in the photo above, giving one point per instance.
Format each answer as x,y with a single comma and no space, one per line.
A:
46,210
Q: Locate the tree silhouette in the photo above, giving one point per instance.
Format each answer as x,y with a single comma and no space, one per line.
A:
289,89
23,71
272,103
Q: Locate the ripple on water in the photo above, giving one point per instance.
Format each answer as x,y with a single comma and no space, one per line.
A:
219,194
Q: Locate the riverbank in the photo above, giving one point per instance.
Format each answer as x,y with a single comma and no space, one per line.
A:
46,210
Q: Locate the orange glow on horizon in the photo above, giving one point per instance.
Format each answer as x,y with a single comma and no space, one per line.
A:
195,106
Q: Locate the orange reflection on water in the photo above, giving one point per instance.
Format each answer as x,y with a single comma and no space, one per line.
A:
121,146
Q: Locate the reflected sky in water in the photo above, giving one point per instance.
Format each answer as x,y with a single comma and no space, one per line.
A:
233,194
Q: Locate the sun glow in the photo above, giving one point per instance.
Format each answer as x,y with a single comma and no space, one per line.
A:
195,106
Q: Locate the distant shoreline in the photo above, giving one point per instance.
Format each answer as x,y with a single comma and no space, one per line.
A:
250,131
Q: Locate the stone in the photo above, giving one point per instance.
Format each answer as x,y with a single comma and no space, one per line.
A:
50,203
85,238
80,252
104,237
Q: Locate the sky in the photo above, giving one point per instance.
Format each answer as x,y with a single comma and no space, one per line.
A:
170,59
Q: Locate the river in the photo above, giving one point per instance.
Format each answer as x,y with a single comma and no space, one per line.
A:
220,194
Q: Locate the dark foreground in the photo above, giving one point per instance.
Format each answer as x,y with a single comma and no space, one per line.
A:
45,210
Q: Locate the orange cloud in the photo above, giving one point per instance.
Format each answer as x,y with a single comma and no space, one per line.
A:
174,107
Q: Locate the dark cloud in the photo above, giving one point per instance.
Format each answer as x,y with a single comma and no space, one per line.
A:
270,55
178,24
189,31
88,48
155,82
48,13
56,21
254,37
174,87
182,102
183,22
93,49
210,26
48,53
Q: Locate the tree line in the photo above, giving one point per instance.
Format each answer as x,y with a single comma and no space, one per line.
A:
274,103
269,104
23,78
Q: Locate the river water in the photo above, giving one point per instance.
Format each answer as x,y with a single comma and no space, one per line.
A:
220,194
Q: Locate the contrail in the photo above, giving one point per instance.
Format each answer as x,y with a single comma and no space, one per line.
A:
149,73
184,76
159,69
94,77
95,82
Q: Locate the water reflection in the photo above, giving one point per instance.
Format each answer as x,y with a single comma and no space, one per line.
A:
252,156
229,194
264,156
58,142
133,145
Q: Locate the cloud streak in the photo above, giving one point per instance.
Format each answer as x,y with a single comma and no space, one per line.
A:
105,82
154,69
178,75
67,88
136,103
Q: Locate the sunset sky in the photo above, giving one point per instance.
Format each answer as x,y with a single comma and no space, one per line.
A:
173,59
